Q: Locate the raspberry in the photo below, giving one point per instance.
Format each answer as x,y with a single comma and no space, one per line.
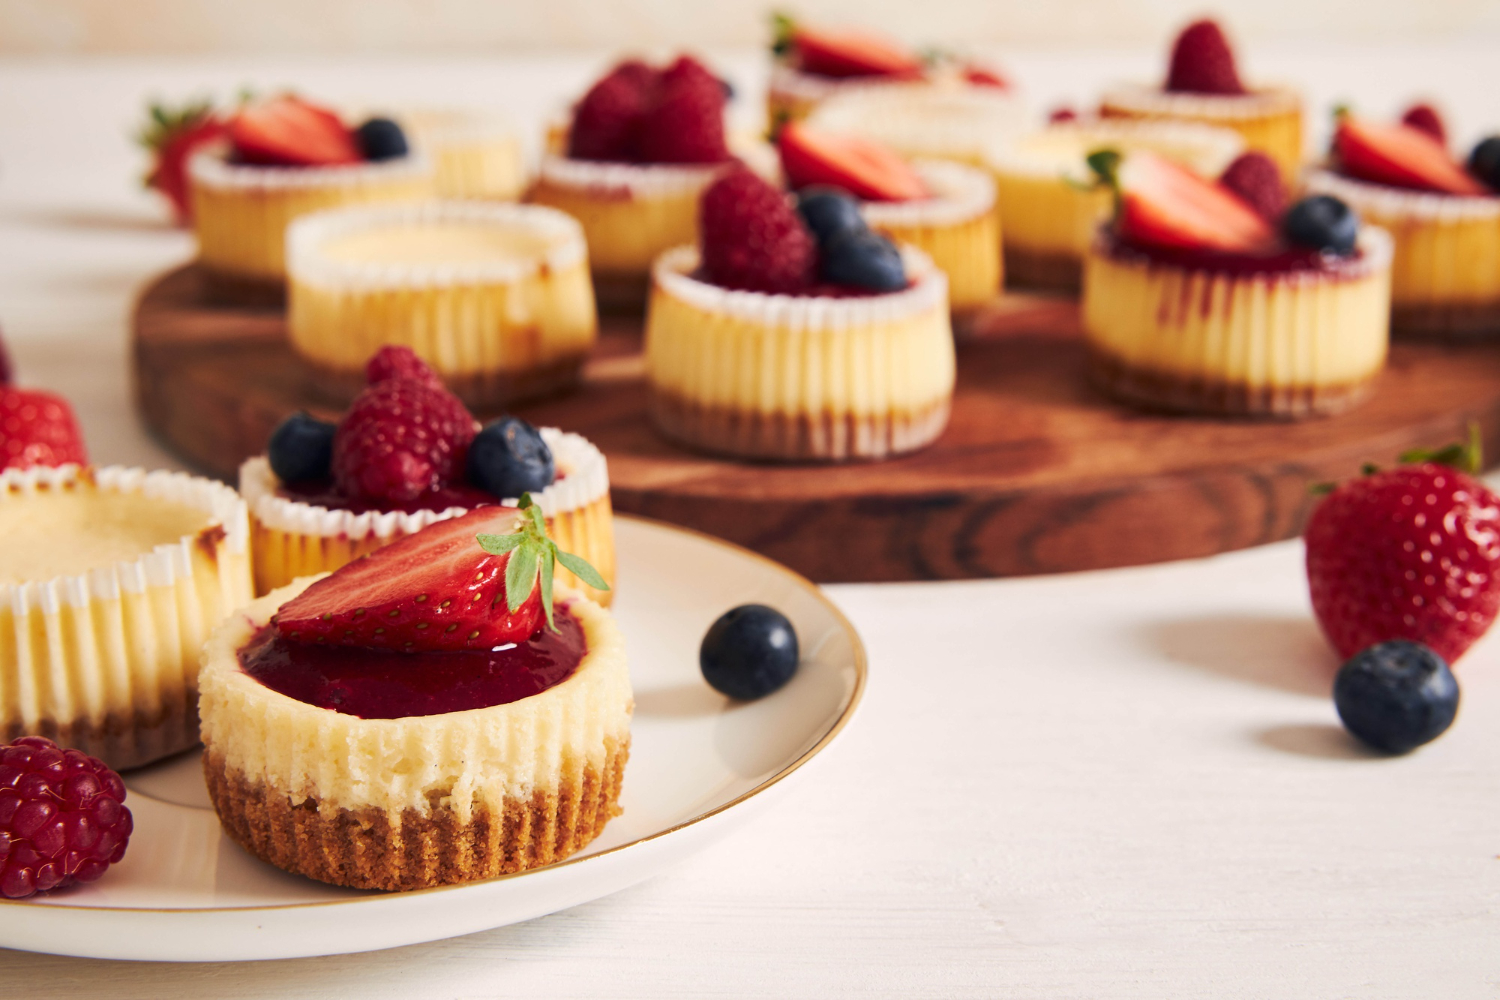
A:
607,120
394,361
38,428
62,817
1424,118
686,124
1255,178
1202,62
752,237
1062,113
400,439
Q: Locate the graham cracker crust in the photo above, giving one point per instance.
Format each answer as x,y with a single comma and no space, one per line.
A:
363,849
1044,271
799,438
121,740
1164,392
487,392
1446,322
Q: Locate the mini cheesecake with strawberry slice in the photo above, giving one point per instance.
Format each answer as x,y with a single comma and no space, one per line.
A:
406,455
431,713
944,209
638,150
797,332
1216,297
813,65
275,160
1444,214
1203,85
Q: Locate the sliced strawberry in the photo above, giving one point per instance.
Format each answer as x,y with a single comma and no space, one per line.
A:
852,53
1401,156
865,169
433,590
289,132
1165,204
173,136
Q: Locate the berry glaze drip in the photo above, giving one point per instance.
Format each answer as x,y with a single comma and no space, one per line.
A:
819,290
385,684
1283,260
323,493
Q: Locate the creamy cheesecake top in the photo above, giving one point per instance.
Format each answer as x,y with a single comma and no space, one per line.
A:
65,533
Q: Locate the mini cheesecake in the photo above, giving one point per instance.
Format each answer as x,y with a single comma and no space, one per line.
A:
310,528
944,120
112,580
1203,86
474,154
1051,209
495,298
1289,335
813,377
241,212
383,769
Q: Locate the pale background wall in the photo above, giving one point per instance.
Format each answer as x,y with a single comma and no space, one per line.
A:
192,26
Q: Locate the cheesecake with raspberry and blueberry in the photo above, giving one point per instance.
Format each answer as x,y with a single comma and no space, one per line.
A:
407,454
946,210
1443,212
1204,85
431,713
1216,297
1052,211
111,581
641,146
495,298
279,159
797,338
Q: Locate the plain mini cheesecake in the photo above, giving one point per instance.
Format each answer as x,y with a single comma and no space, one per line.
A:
112,580
474,154
1214,298
282,159
319,498
1203,85
1052,211
405,722
795,348
1444,216
495,298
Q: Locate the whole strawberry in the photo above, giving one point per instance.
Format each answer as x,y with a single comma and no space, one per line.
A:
752,237
173,136
1408,553
686,122
402,436
38,428
62,817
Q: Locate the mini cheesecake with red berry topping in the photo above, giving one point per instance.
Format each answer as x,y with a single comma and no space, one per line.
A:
282,158
1215,298
642,145
1443,214
431,713
1203,85
946,210
791,337
407,455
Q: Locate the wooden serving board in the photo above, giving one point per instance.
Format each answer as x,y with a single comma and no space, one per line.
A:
1037,472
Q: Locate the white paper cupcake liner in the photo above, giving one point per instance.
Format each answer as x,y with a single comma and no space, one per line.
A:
1395,203
636,180
1212,147
211,169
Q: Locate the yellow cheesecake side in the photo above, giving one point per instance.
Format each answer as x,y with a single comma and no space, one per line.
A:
1269,119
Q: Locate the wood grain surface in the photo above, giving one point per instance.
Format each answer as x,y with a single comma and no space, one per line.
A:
1037,472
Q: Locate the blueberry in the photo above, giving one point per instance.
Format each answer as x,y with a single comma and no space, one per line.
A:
301,449
381,139
727,87
509,458
1395,696
1322,222
749,652
1484,162
863,259
829,211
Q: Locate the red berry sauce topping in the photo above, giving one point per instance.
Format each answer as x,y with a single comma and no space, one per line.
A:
387,684
62,817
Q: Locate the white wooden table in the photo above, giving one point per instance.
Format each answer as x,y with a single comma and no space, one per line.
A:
1122,784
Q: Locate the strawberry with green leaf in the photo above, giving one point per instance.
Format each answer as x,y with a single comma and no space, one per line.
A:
173,135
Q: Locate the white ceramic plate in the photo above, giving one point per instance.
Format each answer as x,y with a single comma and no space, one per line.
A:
699,765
